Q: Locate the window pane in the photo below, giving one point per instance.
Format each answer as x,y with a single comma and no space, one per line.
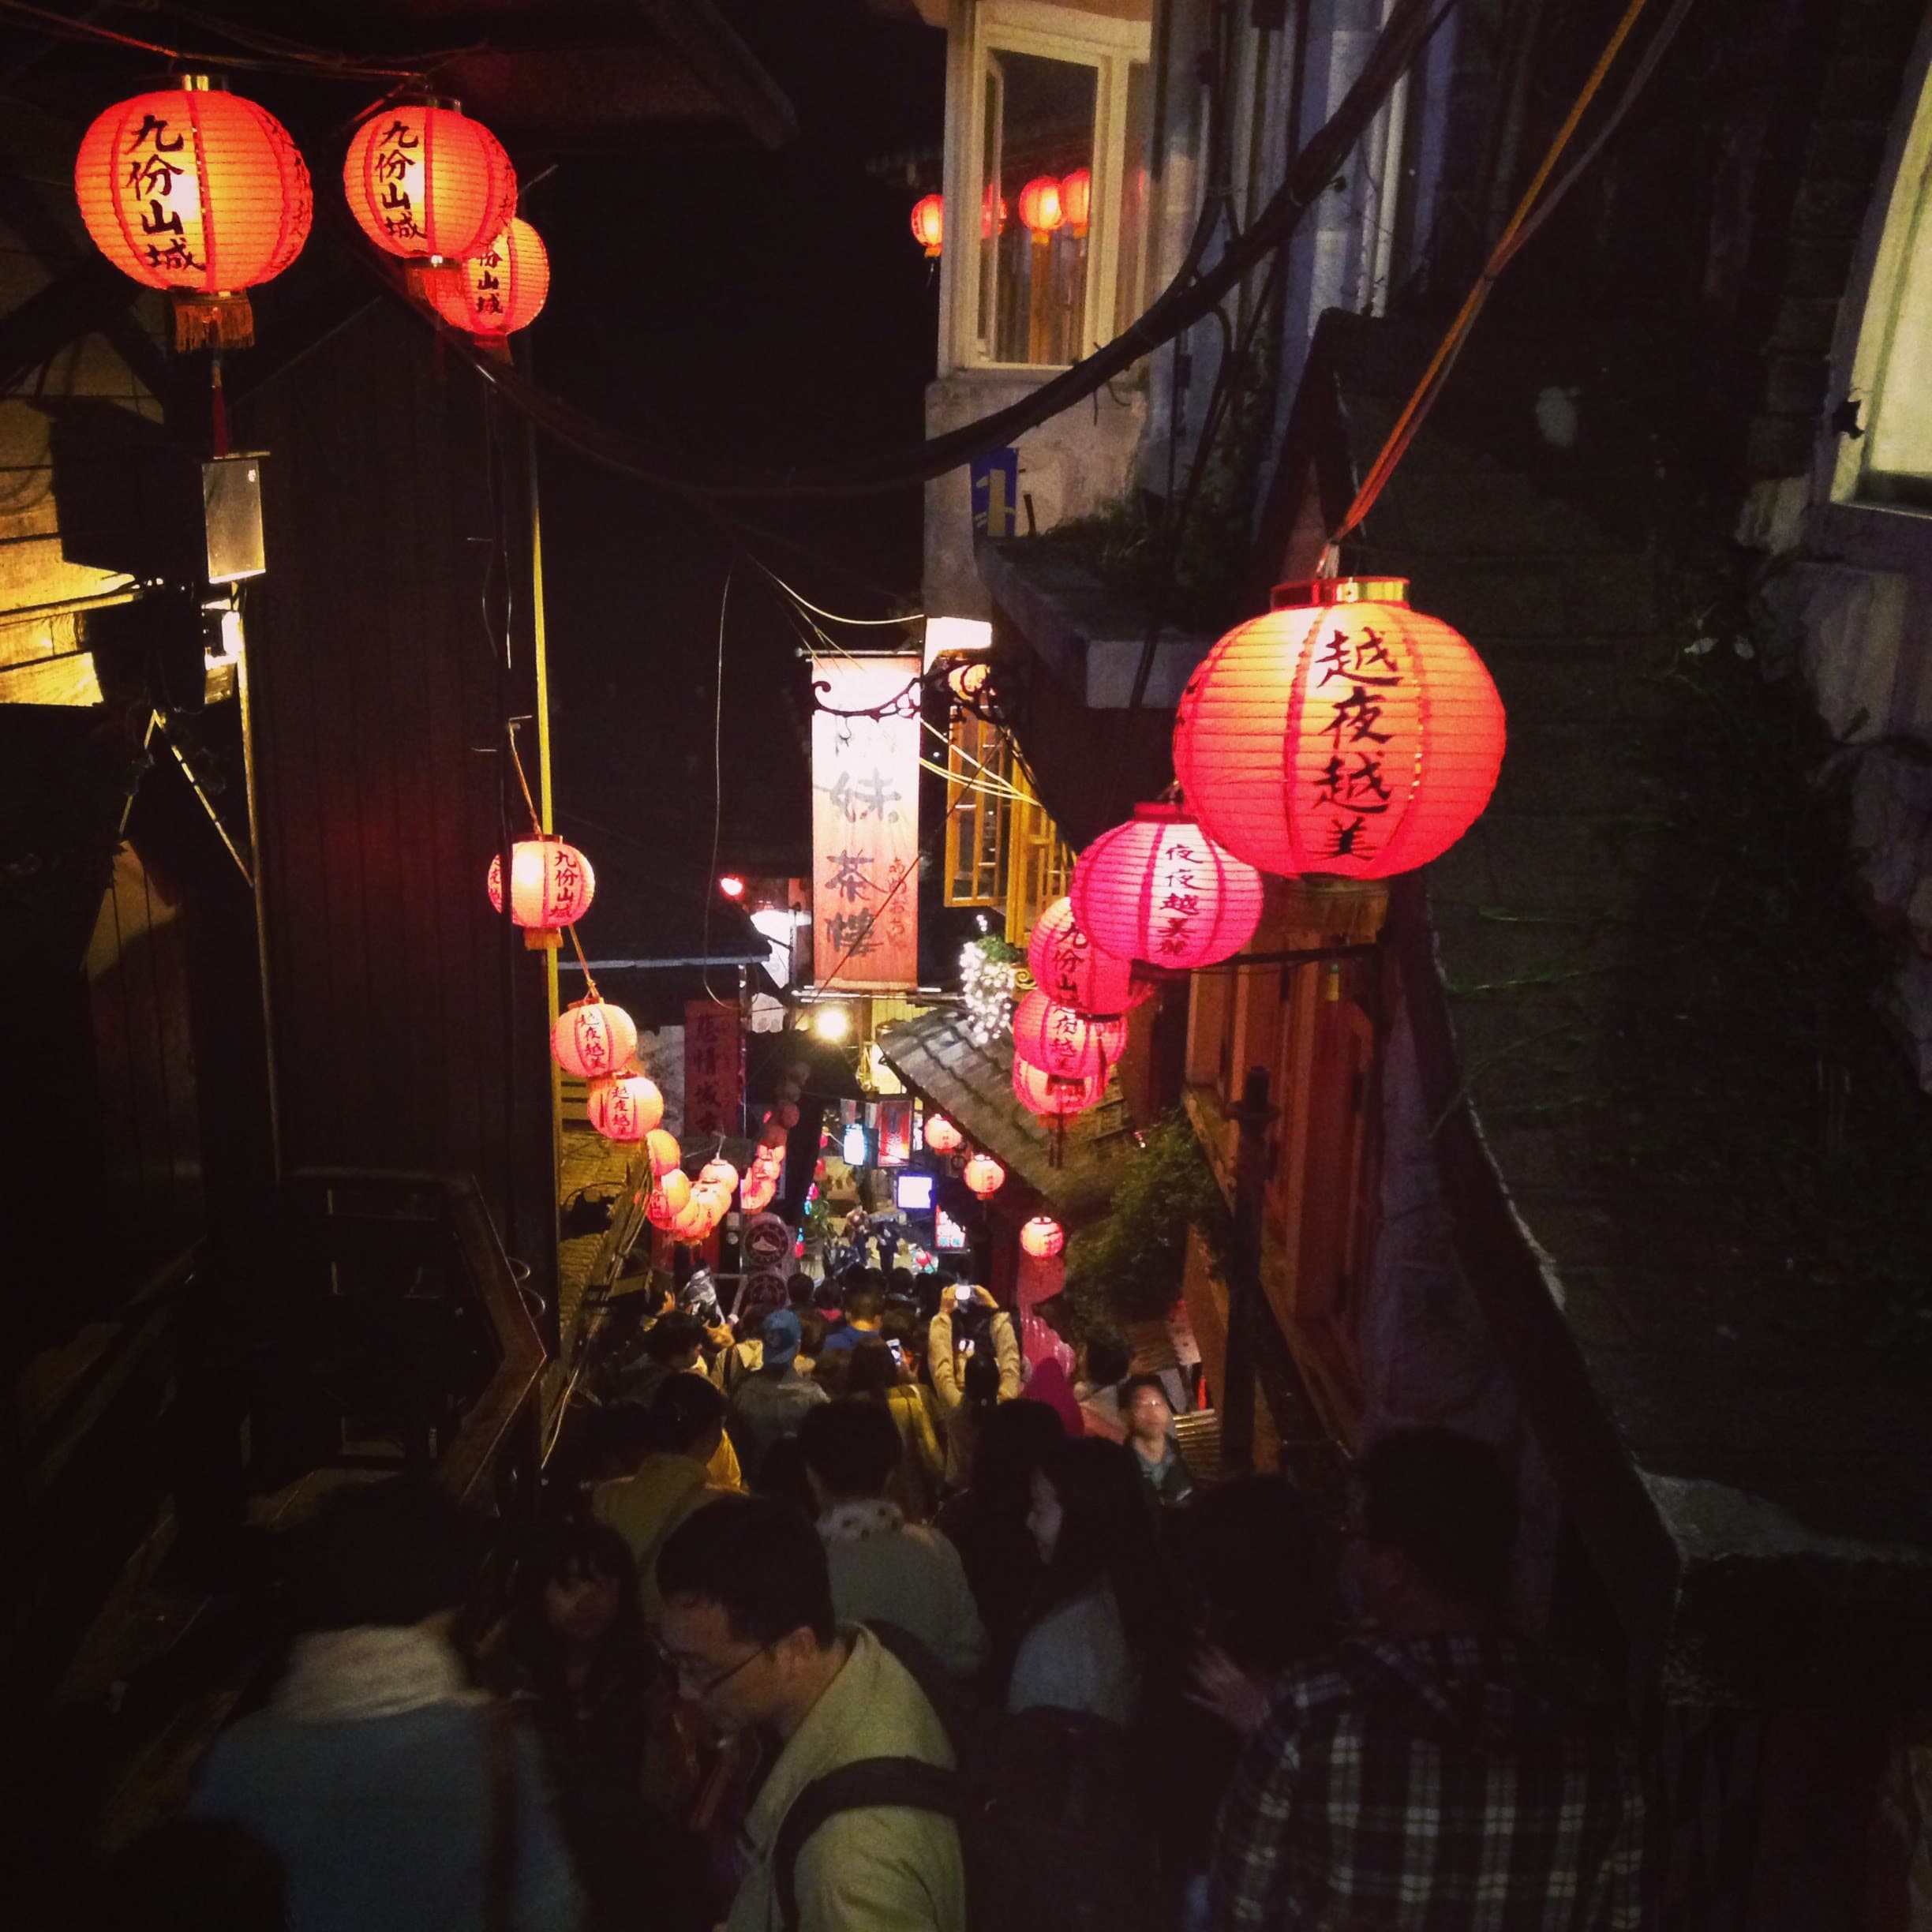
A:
1900,443
1033,281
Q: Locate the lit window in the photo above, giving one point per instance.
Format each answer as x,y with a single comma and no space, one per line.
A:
1891,378
1059,180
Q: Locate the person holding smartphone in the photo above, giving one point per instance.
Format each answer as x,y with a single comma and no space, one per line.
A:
973,1356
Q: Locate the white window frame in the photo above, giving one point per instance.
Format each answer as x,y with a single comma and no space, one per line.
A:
1111,47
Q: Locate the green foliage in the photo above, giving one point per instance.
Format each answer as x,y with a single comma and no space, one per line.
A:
1129,1267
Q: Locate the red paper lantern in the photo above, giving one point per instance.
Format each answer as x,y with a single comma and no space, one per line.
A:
664,1153
1072,971
625,1106
592,1038
1039,206
1158,889
694,1224
426,182
929,223
941,1136
719,1173
551,887
194,189
771,1135
786,1114
1076,199
1343,733
757,1195
671,1198
1049,1095
984,1175
1063,1040
988,201
1043,1237
498,291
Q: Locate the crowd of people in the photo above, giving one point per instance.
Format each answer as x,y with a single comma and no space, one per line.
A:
845,1617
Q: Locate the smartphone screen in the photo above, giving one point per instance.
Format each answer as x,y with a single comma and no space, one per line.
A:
966,1347
962,1297
898,1352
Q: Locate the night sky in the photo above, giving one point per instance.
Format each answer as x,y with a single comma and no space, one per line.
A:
769,305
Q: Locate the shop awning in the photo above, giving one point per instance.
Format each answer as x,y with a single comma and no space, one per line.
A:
972,1086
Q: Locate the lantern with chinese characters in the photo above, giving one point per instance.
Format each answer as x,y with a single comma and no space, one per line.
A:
984,1175
426,182
941,1136
929,223
1158,889
1072,971
1076,201
1043,1237
1039,207
721,1174
499,289
758,1194
593,1037
625,1106
665,1152
1062,1040
551,887
1052,1096
693,1224
671,1198
1343,733
194,189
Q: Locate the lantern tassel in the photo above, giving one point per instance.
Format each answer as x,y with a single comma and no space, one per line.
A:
211,321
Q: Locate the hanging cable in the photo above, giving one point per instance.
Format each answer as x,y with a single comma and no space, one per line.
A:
1186,299
1422,399
833,616
314,66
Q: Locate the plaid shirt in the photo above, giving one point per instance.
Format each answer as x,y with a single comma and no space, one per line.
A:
1432,1784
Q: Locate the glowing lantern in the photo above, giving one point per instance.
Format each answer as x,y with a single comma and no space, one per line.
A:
1039,206
929,223
719,1173
551,887
1343,733
499,289
1050,1095
988,201
984,1175
966,682
624,1108
771,1135
941,1136
194,189
1064,1041
1043,1237
426,182
664,1150
693,1224
1076,201
592,1038
757,1195
672,1197
1072,971
1158,889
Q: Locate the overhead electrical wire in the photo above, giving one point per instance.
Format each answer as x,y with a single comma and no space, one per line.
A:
1192,295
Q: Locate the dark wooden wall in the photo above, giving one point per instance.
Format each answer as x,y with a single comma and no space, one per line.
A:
407,1023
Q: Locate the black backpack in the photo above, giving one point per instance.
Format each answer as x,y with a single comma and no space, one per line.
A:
1043,1800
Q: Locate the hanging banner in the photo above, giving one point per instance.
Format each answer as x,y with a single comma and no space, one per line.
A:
865,824
714,1070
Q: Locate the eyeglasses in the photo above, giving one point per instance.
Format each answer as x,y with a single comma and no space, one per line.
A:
688,1672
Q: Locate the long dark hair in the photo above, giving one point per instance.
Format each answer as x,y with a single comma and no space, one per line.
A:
1108,1534
570,1552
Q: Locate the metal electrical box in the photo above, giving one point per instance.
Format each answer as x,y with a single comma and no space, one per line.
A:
231,511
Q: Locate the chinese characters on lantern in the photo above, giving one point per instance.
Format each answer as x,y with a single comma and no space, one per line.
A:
713,1073
1174,908
156,160
398,153
1363,717
865,823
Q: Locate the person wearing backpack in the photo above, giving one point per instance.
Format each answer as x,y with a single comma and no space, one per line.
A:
748,1628
1101,1624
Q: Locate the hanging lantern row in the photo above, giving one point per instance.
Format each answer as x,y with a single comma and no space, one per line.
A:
1157,888
1072,971
1047,203
197,191
984,1176
941,1136
1064,1041
624,1107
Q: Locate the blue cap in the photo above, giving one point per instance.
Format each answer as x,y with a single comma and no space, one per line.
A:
782,1338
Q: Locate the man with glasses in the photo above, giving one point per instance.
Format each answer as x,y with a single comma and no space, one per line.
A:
748,1628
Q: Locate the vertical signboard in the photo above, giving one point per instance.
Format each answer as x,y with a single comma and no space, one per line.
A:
865,823
713,1074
